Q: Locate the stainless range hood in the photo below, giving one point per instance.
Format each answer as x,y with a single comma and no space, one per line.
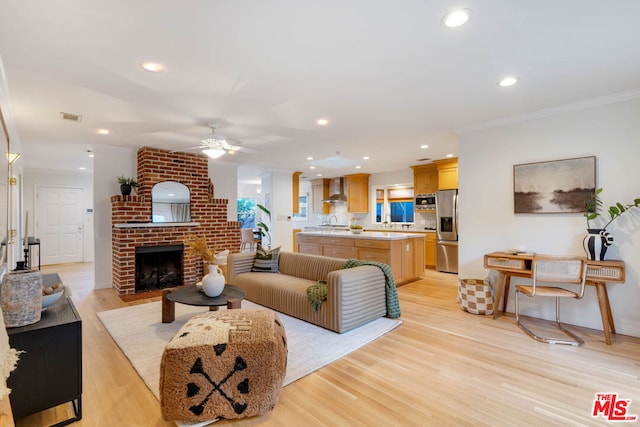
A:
336,190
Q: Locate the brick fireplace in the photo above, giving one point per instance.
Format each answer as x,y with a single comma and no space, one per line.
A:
131,217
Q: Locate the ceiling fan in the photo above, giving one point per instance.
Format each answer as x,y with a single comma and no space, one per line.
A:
215,145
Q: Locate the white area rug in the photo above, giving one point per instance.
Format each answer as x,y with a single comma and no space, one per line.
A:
141,335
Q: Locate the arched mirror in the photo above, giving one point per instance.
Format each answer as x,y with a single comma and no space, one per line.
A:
170,202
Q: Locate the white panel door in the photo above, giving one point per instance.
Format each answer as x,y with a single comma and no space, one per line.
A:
59,224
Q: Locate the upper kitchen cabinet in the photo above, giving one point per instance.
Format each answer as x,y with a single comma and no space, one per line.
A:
447,173
357,192
295,187
425,179
320,192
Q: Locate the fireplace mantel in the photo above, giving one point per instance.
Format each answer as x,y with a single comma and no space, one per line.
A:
156,224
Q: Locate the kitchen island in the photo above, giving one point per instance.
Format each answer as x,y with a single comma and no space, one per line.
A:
403,252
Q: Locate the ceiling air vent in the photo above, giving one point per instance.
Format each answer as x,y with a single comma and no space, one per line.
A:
71,117
423,160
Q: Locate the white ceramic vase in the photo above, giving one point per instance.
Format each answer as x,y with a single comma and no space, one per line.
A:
213,283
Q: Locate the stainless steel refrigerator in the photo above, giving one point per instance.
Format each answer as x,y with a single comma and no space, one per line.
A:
447,231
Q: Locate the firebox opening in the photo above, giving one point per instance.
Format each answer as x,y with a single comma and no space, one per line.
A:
158,267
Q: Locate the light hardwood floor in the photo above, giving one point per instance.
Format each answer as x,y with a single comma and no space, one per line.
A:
442,366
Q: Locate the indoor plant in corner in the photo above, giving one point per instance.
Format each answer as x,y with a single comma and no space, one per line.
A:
126,184
599,239
213,281
264,228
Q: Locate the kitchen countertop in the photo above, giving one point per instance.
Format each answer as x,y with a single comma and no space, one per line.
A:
397,229
400,229
377,235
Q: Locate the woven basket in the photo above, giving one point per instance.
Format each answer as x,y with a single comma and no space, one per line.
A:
475,296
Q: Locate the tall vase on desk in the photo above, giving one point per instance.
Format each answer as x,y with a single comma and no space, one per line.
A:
596,243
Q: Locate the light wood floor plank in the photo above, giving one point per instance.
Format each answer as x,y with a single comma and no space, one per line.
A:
441,367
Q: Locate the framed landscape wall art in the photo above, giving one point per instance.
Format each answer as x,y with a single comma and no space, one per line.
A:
558,186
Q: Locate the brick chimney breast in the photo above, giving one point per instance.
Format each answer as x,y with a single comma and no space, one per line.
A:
131,216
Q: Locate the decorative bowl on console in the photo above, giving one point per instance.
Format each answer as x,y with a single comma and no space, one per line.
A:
50,299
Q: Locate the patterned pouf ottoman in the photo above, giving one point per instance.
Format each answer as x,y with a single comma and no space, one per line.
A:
223,364
475,296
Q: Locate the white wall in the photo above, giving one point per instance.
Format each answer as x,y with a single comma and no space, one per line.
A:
225,185
276,196
33,178
110,162
487,222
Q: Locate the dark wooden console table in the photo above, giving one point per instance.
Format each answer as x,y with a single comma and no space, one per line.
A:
599,273
49,372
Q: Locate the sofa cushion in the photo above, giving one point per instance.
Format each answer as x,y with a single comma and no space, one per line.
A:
266,261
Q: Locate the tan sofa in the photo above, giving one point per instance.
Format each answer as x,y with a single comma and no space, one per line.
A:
354,296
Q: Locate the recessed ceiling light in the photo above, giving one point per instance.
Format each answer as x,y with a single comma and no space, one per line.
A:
423,146
358,167
92,155
82,168
322,122
319,174
309,158
366,158
312,167
508,81
153,67
456,18
103,131
449,155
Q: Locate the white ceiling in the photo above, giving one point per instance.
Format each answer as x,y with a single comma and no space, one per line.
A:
387,74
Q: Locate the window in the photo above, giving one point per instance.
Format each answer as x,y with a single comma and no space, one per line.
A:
247,212
302,214
394,205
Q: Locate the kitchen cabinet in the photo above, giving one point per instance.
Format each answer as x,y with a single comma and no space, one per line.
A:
295,243
386,251
295,190
308,245
404,254
447,173
425,179
357,192
320,192
430,250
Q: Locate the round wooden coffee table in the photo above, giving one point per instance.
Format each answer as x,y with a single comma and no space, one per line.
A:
231,296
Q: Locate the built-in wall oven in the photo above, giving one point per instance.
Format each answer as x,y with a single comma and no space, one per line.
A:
426,202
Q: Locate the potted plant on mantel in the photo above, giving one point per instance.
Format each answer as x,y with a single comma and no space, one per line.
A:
126,184
598,240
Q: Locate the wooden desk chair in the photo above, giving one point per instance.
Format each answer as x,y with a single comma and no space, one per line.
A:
247,239
554,269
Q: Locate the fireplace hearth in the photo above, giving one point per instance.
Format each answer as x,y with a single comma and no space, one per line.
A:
158,267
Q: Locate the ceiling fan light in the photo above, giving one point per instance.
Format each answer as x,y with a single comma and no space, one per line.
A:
214,153
214,139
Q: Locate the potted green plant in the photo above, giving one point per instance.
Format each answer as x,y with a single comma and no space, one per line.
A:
126,184
599,239
264,228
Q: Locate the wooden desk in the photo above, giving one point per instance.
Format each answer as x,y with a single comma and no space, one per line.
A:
599,273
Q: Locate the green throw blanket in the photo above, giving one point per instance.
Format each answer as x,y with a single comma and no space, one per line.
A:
318,293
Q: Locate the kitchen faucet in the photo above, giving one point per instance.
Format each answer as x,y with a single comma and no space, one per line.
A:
387,219
332,217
